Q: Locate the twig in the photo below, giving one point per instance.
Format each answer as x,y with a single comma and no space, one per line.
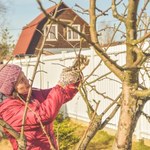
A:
33,76
146,116
41,124
14,133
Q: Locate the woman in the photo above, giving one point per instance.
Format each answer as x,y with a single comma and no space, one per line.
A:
43,107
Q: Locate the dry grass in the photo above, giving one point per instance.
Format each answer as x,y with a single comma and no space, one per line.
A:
101,141
5,145
104,141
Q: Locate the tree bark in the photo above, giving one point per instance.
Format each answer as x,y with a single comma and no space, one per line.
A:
130,113
94,127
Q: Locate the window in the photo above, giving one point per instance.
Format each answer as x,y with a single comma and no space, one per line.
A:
71,35
53,33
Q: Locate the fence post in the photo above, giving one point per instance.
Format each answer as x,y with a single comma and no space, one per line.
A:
41,65
138,130
64,107
92,68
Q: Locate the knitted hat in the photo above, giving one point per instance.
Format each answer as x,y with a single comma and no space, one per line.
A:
8,77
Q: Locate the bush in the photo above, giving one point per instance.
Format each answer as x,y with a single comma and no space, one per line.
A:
65,132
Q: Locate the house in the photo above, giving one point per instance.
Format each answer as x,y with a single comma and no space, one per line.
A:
59,38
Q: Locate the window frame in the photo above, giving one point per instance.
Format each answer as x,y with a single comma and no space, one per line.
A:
72,32
49,34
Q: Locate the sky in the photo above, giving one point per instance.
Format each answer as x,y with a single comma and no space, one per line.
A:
21,12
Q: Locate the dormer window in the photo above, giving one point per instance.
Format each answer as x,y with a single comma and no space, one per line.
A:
71,35
53,33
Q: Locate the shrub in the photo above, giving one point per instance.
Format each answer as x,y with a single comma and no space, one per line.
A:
64,131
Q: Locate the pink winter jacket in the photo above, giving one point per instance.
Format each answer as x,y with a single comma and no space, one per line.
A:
46,104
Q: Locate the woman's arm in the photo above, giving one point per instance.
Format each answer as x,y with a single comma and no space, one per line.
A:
46,110
55,99
12,110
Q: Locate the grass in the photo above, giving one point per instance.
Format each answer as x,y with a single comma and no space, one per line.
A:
101,141
104,141
140,146
5,145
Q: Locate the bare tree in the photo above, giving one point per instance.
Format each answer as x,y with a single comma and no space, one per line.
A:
133,92
2,12
133,26
134,95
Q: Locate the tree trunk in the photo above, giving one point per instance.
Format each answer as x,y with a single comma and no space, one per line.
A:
89,134
130,113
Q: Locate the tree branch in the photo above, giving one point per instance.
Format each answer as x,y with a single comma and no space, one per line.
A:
111,64
85,11
146,116
142,11
116,69
135,42
15,134
142,94
115,12
33,76
140,57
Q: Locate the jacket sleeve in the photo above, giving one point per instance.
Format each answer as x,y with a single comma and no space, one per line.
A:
47,111
12,111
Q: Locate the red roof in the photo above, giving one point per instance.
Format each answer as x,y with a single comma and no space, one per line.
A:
28,32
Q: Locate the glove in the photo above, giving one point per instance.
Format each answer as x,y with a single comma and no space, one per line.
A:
80,62
73,74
